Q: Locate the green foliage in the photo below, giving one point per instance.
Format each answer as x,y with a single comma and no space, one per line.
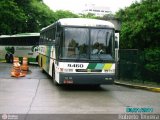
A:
89,15
152,59
39,15
20,16
65,14
141,30
140,25
13,18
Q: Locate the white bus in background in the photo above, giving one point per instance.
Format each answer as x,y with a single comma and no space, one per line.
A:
78,51
19,45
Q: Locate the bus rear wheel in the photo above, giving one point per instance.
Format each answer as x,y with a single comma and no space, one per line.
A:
11,59
7,58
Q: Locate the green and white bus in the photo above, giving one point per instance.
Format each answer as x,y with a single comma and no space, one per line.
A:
78,51
19,45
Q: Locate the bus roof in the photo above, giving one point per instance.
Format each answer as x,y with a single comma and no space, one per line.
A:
85,22
21,35
82,22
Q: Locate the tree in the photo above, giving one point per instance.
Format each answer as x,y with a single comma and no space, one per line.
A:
141,30
19,16
65,14
140,25
39,16
13,18
89,15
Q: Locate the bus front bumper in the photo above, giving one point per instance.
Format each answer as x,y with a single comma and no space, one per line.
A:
86,78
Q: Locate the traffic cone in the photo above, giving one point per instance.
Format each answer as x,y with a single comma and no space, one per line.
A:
24,66
15,72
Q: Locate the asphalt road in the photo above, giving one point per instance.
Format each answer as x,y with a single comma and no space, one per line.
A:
35,94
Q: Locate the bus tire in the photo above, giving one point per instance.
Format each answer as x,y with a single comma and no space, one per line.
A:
11,58
39,60
7,58
53,76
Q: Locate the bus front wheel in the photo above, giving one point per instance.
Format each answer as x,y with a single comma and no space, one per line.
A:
53,76
42,66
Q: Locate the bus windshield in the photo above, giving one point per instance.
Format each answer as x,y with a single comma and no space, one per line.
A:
87,44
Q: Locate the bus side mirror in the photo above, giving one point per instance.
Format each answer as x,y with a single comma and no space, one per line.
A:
117,40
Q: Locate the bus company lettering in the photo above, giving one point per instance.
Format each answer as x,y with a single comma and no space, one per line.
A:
76,65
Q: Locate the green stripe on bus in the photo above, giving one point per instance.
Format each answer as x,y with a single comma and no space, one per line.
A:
91,65
104,66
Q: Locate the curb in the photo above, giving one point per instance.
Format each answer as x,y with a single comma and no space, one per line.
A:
154,89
